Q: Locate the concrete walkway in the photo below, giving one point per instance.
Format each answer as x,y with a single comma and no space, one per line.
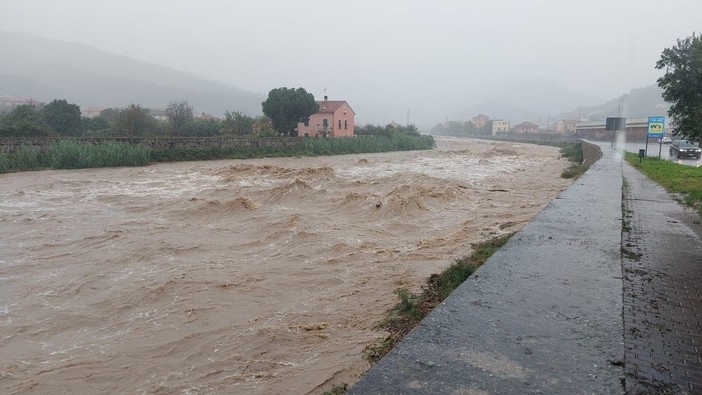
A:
545,313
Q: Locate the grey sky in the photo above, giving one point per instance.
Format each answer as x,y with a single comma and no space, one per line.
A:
406,52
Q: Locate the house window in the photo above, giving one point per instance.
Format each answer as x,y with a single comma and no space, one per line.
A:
346,124
340,124
307,122
325,124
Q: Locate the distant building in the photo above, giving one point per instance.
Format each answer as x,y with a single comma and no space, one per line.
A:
91,112
205,116
335,118
480,120
500,126
635,129
565,125
8,103
161,115
526,127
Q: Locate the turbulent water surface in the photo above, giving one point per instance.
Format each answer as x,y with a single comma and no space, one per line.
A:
255,276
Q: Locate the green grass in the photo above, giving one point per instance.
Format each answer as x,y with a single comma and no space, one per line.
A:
304,147
412,308
674,177
70,154
574,153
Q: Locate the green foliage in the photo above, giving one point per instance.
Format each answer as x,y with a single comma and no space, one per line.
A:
23,121
71,154
200,128
682,84
62,117
5,163
237,123
387,130
27,157
454,128
674,177
574,153
133,121
97,126
300,147
412,308
179,114
286,107
337,389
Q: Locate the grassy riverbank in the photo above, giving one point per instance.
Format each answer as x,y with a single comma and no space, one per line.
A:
412,308
72,154
674,177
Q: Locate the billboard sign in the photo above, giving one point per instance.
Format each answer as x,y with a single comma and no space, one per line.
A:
655,126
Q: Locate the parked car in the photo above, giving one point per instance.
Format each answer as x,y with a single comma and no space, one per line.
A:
666,140
685,149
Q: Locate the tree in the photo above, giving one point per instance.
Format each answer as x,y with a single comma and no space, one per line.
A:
682,85
63,117
237,123
200,128
179,113
24,121
133,121
286,107
91,126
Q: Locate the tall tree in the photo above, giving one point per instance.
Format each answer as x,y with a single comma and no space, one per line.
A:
63,117
23,121
179,113
682,85
133,121
286,107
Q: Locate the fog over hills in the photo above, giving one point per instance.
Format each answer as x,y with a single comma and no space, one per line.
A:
46,69
641,102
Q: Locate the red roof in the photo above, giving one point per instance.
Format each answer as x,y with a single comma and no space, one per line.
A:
526,124
330,106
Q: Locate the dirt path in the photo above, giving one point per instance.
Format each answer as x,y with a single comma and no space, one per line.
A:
256,276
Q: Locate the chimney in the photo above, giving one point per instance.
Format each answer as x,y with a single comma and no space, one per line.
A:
325,97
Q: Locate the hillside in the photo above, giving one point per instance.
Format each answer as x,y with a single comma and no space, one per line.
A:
640,102
46,69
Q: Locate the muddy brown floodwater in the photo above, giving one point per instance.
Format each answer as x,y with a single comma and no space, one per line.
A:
239,276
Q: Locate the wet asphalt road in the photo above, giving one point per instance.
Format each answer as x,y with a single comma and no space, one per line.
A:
653,150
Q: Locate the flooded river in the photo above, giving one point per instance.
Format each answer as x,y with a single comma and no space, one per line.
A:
240,276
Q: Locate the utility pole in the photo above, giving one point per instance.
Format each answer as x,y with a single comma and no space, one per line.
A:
408,112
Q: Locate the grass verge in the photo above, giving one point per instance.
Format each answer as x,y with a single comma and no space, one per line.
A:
412,308
674,177
574,153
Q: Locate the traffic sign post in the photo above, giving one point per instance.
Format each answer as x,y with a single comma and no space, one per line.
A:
655,129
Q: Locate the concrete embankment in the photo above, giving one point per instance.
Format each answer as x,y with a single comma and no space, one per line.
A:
542,315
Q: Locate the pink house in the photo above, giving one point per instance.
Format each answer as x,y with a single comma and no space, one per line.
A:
480,120
526,127
334,119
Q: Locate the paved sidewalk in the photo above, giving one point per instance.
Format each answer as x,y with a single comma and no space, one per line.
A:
662,265
546,313
542,315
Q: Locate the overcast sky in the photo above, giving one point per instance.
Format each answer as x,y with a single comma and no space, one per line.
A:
403,51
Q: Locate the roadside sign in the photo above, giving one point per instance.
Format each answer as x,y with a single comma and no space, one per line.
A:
655,126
